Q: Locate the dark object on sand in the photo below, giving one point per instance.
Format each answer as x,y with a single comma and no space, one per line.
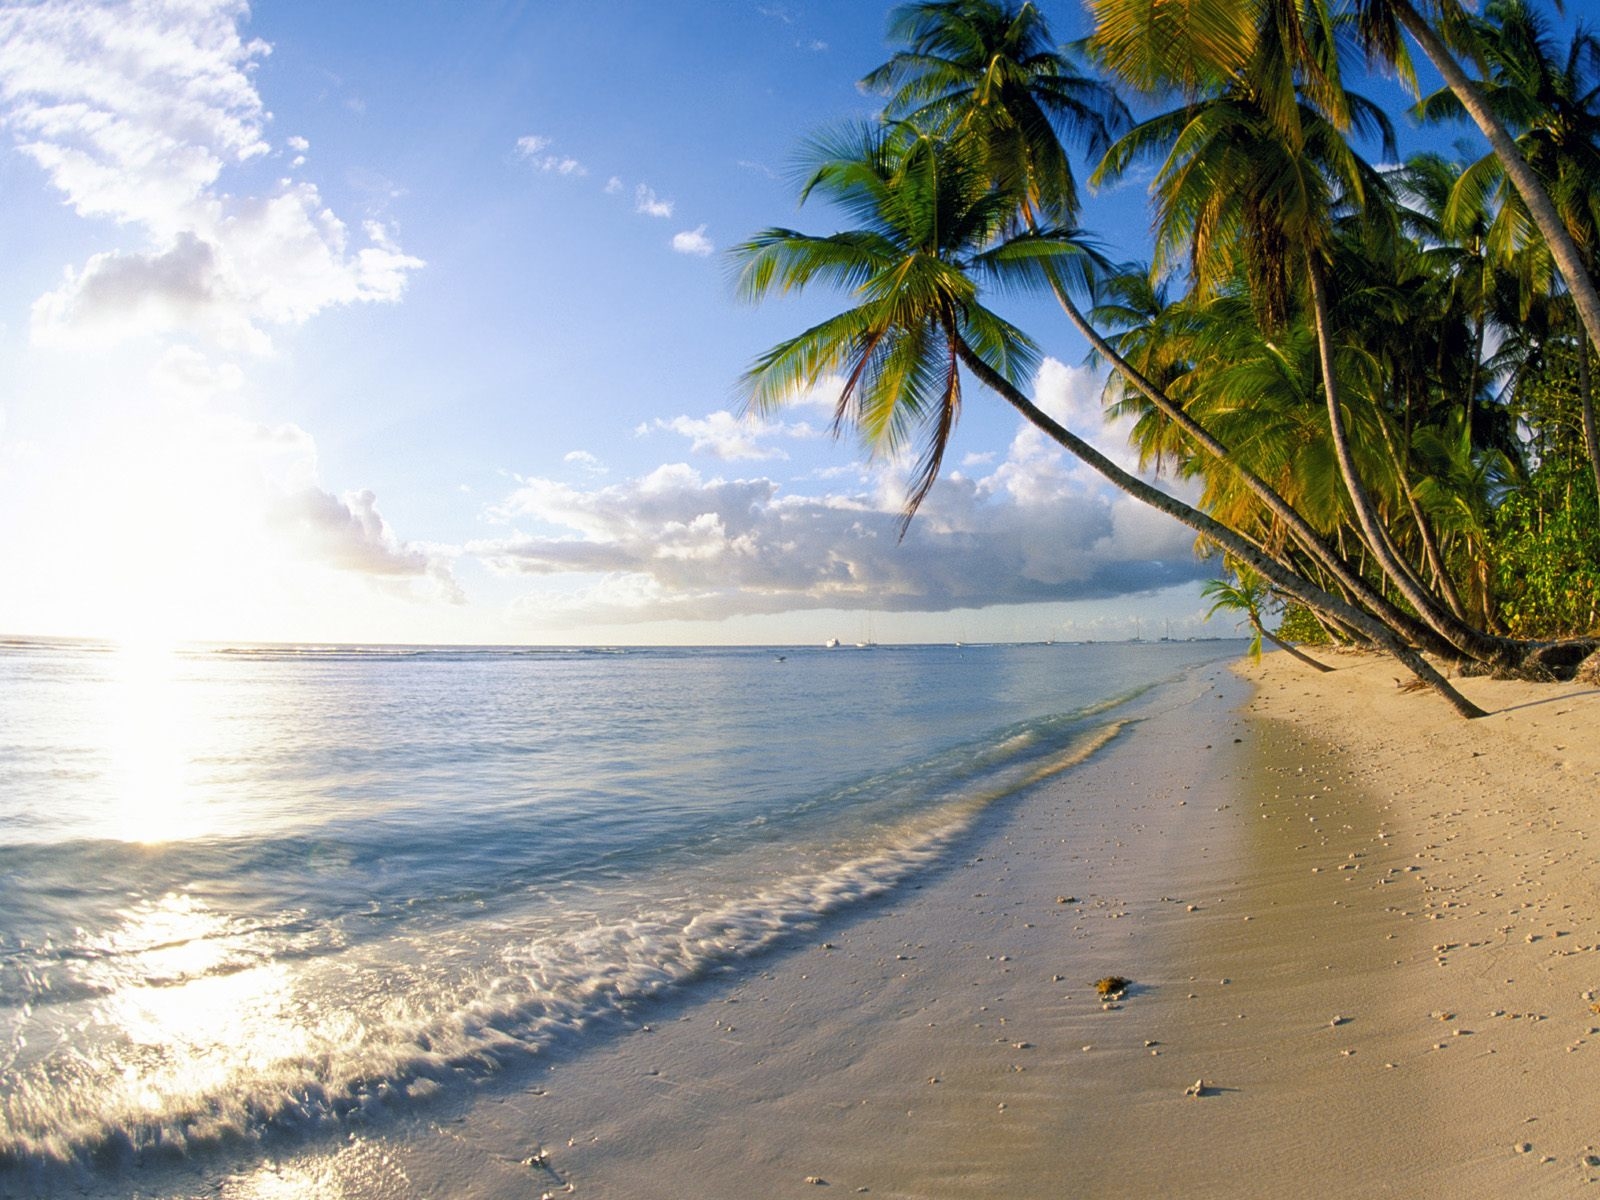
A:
1112,986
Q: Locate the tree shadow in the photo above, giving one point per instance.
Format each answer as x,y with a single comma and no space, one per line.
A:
1547,700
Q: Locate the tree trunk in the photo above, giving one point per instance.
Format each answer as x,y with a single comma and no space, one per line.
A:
1243,549
1285,646
1430,542
1468,640
1308,537
1591,437
1565,251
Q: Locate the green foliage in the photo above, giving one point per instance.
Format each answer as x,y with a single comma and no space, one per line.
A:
1547,555
1298,625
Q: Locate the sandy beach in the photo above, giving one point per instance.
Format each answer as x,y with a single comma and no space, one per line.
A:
1369,928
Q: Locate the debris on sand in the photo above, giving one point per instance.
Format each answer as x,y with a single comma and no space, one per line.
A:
1112,986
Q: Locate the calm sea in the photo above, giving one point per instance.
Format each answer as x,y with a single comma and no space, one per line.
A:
252,888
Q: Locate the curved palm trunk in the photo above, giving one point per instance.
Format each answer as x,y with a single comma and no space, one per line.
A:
1591,436
1293,651
1430,542
1469,641
1352,582
1416,632
1562,247
1242,548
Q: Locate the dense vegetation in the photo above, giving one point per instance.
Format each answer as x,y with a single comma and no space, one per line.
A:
1380,378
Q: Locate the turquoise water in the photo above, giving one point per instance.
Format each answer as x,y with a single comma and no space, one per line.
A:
247,889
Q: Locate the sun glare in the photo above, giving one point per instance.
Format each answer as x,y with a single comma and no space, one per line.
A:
150,732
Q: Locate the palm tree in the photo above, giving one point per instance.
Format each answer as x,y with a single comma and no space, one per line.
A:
1252,179
1453,246
1380,23
1249,594
931,226
986,68
1553,97
989,68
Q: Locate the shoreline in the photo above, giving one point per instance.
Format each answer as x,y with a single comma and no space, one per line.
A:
1372,947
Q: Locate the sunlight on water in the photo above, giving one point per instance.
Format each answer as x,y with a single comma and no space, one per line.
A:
253,891
186,1018
151,732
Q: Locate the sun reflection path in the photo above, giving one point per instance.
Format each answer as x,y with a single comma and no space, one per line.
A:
196,1027
152,731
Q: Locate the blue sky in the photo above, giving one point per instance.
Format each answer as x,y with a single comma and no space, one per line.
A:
412,322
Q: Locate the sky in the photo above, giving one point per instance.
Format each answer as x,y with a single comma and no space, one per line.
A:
413,322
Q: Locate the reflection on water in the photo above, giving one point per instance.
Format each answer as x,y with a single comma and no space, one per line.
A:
152,733
250,891
181,1016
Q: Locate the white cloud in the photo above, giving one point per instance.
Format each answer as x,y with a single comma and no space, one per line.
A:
531,147
349,533
725,436
675,544
613,186
585,461
693,241
298,144
134,113
647,202
183,371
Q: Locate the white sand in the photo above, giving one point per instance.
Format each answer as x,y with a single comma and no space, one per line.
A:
1367,925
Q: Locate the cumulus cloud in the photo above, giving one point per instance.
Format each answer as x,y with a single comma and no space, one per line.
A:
693,241
134,113
725,436
676,544
349,533
647,202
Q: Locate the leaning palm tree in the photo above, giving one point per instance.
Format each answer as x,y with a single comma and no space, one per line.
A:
1248,594
986,69
932,226
1252,177
1551,95
1445,40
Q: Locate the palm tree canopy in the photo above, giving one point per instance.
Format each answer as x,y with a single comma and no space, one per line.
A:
929,226
989,68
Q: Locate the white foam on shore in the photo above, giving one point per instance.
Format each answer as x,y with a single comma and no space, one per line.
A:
262,1048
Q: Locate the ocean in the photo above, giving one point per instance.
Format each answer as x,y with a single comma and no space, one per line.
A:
250,891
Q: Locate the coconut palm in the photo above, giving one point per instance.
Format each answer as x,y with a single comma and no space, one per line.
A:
1252,179
1453,248
989,68
1551,96
1249,595
986,68
1380,23
931,226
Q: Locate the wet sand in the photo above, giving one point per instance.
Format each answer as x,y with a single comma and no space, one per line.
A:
1368,927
